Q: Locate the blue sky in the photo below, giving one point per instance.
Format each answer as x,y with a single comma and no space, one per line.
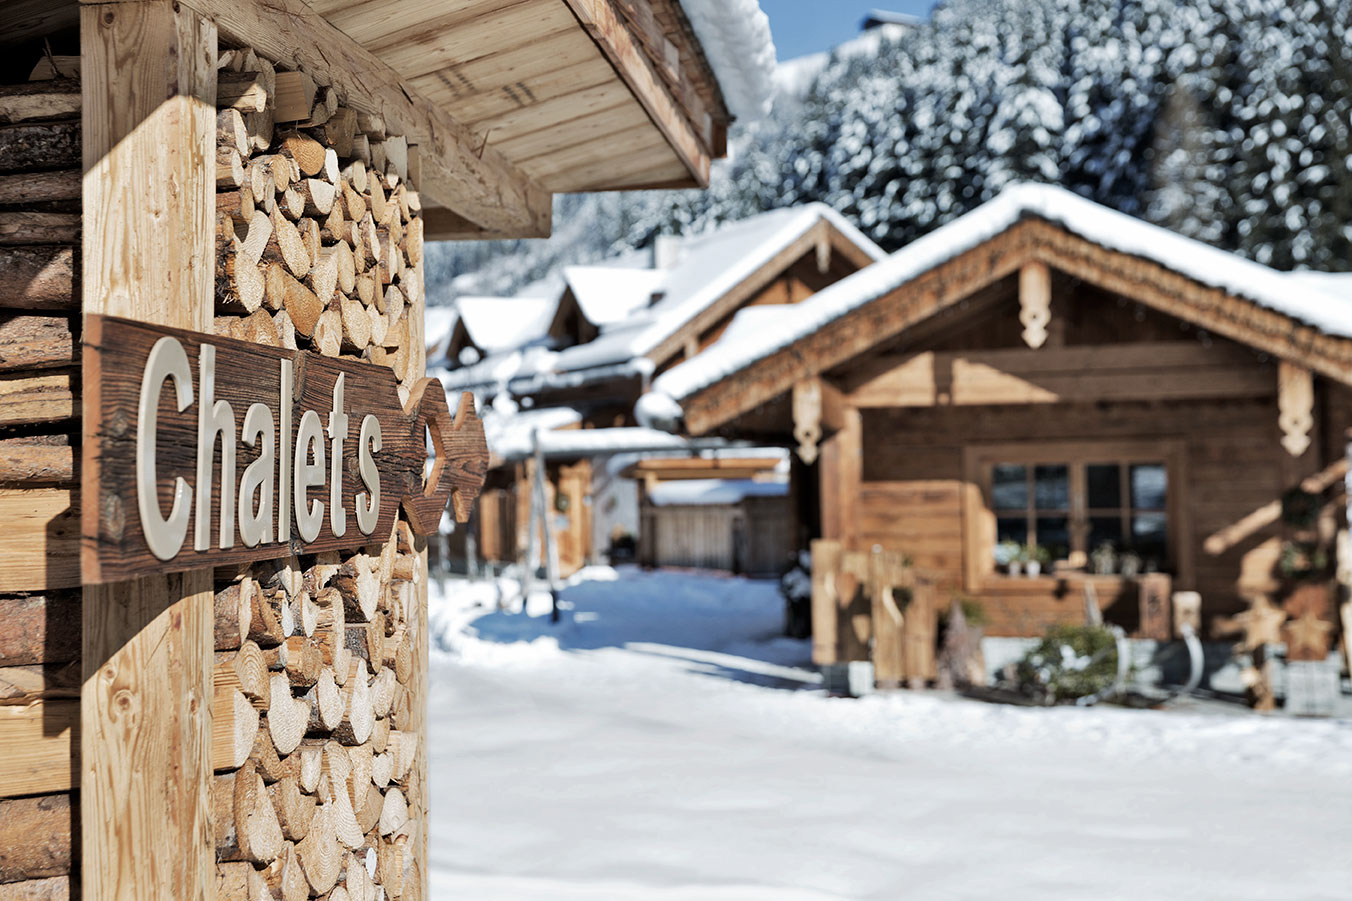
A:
807,26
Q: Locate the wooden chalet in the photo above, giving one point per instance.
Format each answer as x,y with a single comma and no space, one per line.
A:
1129,407
268,171
611,328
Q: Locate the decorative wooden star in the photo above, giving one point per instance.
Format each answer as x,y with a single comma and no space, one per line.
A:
1307,638
1261,624
461,461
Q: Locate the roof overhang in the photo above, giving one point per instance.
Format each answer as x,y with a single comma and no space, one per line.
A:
750,384
508,101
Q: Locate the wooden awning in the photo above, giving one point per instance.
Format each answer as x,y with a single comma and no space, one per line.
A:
510,101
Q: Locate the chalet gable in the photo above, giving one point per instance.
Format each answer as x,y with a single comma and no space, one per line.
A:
1024,237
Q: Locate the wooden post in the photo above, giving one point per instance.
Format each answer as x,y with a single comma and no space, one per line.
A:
890,581
148,110
418,786
842,466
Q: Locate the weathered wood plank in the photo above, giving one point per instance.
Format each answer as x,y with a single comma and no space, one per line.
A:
246,375
39,278
39,540
34,146
35,838
26,227
36,743
27,465
34,342
51,396
52,888
149,200
31,187
57,98
617,43
39,628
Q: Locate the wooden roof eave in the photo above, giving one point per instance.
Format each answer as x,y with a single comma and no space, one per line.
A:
945,285
458,172
823,237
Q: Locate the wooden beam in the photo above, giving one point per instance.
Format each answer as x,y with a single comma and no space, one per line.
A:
149,119
458,171
24,20
632,63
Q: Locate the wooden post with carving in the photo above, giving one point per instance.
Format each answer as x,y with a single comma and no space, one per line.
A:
148,254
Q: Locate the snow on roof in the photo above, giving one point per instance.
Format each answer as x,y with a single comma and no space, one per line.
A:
712,264
438,323
501,323
588,442
735,37
609,295
506,429
690,492
1335,283
1323,309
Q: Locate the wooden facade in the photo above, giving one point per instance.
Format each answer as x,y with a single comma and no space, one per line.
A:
1042,389
265,171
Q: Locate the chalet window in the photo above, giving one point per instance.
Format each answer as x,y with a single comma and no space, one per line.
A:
1074,499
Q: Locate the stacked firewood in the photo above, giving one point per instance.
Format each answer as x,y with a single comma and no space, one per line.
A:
40,671
316,725
318,232
314,740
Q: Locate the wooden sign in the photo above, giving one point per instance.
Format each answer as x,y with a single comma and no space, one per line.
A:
201,450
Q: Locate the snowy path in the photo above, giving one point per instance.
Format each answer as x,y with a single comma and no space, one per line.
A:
662,744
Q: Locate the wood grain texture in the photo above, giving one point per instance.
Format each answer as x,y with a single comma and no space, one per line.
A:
39,545
37,740
39,628
458,170
149,122
35,838
39,278
115,354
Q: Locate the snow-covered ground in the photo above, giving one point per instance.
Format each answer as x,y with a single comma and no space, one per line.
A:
661,742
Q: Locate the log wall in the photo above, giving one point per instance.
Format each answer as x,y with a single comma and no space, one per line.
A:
40,151
319,681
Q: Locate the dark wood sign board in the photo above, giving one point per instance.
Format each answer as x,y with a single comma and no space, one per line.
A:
143,393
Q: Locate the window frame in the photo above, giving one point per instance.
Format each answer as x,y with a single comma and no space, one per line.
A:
979,515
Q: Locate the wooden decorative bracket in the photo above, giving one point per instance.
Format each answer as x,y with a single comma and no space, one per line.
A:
807,418
265,452
1035,299
1295,406
818,407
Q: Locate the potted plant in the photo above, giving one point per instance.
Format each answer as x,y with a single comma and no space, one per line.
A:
1305,568
1104,559
1008,555
1129,564
1035,558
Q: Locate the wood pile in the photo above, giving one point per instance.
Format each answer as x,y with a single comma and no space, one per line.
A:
40,673
318,227
318,789
319,786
